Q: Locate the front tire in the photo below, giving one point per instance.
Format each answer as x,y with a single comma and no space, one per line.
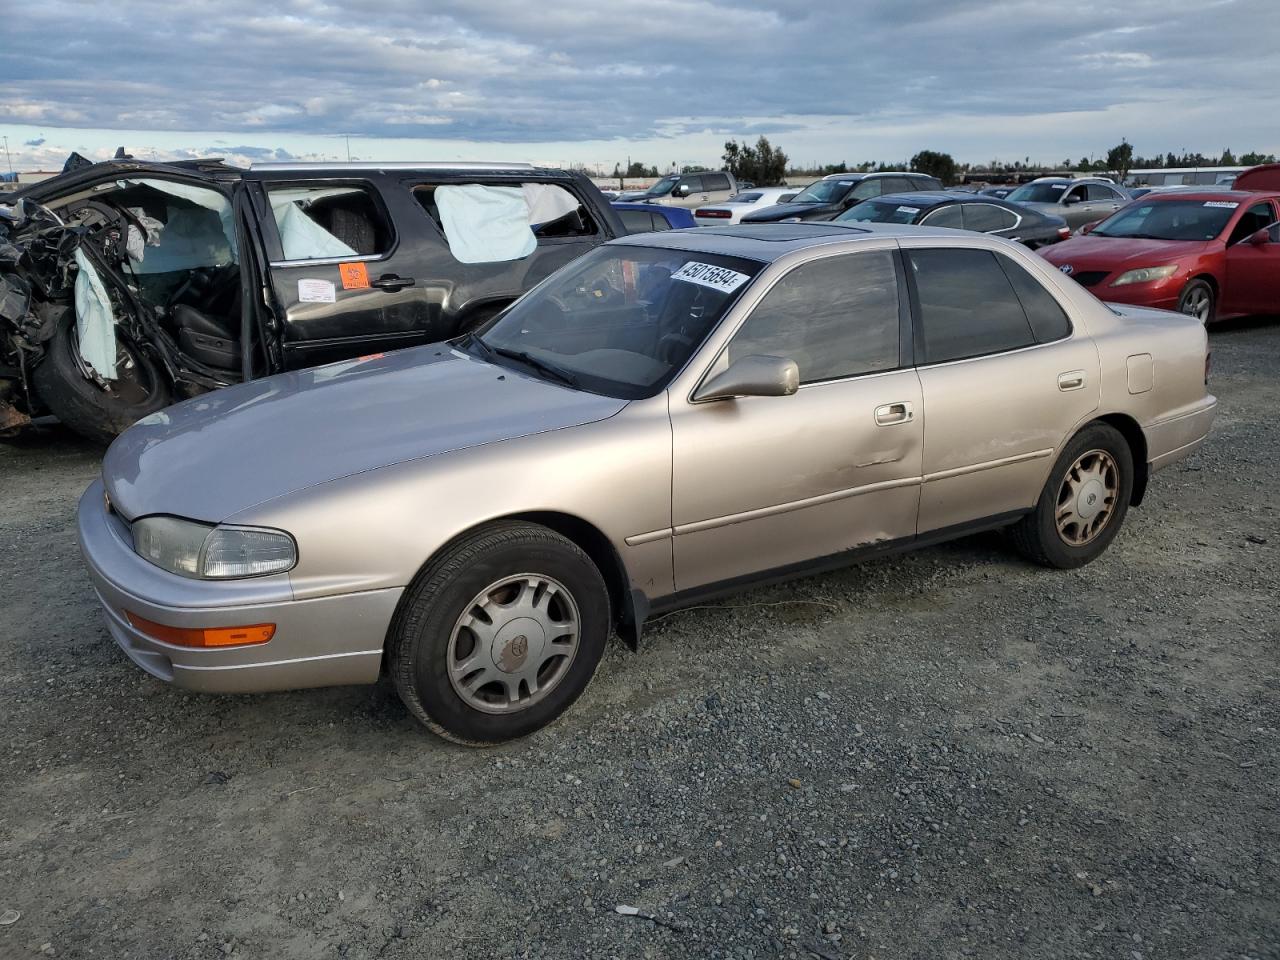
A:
1198,300
500,634
1083,503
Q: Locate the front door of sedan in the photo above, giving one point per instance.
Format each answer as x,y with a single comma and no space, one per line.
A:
760,483
1005,381
1253,269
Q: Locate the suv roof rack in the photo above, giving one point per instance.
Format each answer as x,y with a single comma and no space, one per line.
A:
386,165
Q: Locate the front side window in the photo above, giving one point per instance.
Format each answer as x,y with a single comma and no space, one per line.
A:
662,187
987,217
1254,219
330,221
1039,193
871,187
835,317
620,320
824,191
968,307
694,184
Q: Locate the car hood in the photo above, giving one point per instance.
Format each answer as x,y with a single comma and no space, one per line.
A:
1090,252
780,211
218,454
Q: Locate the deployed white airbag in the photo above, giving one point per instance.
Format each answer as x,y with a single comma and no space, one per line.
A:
95,322
301,238
548,202
485,224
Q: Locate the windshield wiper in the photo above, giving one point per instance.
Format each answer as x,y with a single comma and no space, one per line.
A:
529,360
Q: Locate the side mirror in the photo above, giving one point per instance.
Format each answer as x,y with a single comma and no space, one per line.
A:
682,190
753,377
1088,227
1259,237
1070,200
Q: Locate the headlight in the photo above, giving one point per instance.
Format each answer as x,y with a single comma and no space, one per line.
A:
204,552
1145,275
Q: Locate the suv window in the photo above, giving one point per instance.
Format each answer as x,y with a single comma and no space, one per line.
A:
968,307
636,221
1074,195
489,223
834,317
1099,191
715,181
921,182
1047,318
895,185
1254,219
987,217
870,187
329,222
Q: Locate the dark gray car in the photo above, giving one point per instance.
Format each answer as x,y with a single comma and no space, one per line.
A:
1077,201
963,211
827,198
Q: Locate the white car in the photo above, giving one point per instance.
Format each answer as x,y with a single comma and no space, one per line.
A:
731,210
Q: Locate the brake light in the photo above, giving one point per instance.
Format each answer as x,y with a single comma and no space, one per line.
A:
204,636
1064,232
716,214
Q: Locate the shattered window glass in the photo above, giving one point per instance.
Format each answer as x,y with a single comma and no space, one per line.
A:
329,222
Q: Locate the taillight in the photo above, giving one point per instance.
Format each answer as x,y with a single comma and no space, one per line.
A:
1064,232
716,214
1208,362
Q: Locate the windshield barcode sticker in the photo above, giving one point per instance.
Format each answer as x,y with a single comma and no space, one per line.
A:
709,275
1224,204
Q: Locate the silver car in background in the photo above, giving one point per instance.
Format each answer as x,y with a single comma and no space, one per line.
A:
669,417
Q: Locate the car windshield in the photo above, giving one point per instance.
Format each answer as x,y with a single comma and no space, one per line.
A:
1169,220
824,191
621,320
662,187
1038,193
885,211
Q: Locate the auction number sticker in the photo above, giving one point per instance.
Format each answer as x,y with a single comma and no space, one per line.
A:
709,275
1224,204
355,276
316,291
911,210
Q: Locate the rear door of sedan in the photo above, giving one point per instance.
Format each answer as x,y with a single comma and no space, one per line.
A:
760,483
1004,376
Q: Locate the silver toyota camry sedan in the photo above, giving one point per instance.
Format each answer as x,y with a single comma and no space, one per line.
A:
669,417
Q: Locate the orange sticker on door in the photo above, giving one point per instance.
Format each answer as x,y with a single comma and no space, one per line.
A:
355,276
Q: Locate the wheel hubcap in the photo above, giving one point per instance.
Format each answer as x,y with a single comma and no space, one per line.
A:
1196,303
1087,498
513,643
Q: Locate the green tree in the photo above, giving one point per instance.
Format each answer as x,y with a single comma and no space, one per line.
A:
761,163
940,165
1228,158
1120,159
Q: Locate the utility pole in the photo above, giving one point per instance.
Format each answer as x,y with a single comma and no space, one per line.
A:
8,158
348,138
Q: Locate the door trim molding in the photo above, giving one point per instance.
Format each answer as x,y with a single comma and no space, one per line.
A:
988,465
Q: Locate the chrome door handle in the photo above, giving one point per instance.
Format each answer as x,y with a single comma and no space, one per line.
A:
1072,380
891,413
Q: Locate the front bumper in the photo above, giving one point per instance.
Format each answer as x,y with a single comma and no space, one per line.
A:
327,641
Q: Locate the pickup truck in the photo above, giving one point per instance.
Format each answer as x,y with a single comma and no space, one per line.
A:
126,285
687,190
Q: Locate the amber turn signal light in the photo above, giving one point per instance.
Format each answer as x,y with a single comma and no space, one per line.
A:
204,636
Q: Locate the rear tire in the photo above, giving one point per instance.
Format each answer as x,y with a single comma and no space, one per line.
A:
1083,503
85,407
1198,300
499,634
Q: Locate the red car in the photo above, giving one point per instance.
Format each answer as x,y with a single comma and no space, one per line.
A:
1210,254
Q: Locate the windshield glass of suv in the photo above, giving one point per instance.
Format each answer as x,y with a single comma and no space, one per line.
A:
621,320
1169,220
1039,193
662,187
824,191
884,211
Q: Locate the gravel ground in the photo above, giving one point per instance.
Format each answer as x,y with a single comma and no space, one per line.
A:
947,754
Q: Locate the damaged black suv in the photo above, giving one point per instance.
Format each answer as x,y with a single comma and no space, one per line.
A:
128,285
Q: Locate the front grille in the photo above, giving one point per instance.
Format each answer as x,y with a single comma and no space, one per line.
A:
1088,278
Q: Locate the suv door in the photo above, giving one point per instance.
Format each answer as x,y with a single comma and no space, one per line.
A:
696,196
1253,270
1005,381
765,482
1076,208
348,268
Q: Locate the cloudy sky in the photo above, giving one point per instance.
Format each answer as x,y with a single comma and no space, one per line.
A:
663,81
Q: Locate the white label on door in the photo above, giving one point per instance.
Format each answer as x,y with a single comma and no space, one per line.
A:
709,275
316,291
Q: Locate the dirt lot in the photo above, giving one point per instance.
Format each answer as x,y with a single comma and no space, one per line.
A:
947,754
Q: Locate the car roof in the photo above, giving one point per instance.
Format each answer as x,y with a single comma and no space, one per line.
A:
1240,196
767,242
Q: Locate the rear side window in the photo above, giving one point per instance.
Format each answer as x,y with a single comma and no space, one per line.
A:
947,216
1047,318
491,223
835,317
1098,191
871,187
968,307
636,221
329,222
987,217
715,181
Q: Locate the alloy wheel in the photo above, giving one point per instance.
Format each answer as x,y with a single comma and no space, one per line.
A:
1197,303
1087,498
